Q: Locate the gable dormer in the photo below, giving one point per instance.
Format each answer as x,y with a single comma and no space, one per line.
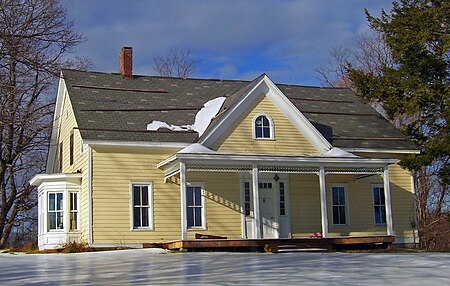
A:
263,120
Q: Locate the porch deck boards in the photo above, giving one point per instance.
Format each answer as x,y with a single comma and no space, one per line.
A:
275,245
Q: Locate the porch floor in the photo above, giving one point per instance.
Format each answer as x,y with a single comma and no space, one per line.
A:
279,245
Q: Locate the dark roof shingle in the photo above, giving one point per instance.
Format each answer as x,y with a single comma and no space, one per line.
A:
109,107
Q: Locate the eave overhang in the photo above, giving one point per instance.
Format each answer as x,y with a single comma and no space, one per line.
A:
233,162
38,179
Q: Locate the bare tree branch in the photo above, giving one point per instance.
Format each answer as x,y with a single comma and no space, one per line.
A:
35,36
178,63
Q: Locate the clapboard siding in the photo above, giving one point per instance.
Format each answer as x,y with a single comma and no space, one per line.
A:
288,139
114,170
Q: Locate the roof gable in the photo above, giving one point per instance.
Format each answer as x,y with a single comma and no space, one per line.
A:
287,139
246,98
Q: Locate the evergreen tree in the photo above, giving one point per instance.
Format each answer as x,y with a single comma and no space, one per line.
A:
415,90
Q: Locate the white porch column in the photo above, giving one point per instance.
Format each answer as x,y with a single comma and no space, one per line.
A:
183,201
257,220
387,200
323,201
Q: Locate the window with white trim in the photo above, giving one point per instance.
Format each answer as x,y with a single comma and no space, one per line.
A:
379,205
195,204
263,127
73,207
142,205
55,211
339,205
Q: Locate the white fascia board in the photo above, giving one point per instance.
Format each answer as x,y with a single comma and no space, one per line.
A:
40,178
296,117
282,160
51,158
138,144
233,114
390,151
166,161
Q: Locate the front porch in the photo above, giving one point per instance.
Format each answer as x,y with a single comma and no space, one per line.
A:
280,245
282,197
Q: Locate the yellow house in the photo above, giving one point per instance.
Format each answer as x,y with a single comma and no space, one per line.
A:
140,159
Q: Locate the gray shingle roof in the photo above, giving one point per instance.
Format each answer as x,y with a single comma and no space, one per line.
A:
108,107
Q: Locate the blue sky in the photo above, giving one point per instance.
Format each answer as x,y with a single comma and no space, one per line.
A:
287,39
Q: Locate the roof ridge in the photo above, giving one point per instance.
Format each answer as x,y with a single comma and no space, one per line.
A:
207,79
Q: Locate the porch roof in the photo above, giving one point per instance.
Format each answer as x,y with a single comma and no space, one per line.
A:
238,162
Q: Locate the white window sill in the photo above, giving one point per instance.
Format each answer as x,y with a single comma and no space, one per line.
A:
197,228
142,229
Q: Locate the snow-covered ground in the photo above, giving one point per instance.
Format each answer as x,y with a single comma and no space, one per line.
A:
144,267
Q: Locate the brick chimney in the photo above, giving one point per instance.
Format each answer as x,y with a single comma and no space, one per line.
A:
126,62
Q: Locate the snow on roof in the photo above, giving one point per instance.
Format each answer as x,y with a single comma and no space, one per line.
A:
337,152
196,148
202,118
155,125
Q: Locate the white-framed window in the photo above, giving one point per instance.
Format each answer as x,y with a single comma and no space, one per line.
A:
73,211
263,127
55,211
142,203
339,204
195,204
379,205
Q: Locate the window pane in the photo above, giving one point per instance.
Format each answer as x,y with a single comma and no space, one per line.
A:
376,196
144,212
136,196
377,215
383,214
342,219
52,221
59,201
335,215
144,190
258,132
265,121
198,196
266,132
51,202
341,196
335,196
73,221
73,201
190,217
136,217
59,220
190,196
382,196
258,121
198,217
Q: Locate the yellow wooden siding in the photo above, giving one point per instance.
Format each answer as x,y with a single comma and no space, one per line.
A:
80,161
402,195
223,203
288,139
113,171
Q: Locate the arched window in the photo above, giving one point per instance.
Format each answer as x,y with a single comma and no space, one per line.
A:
263,127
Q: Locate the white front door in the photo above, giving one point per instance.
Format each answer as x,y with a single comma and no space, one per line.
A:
273,206
267,210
